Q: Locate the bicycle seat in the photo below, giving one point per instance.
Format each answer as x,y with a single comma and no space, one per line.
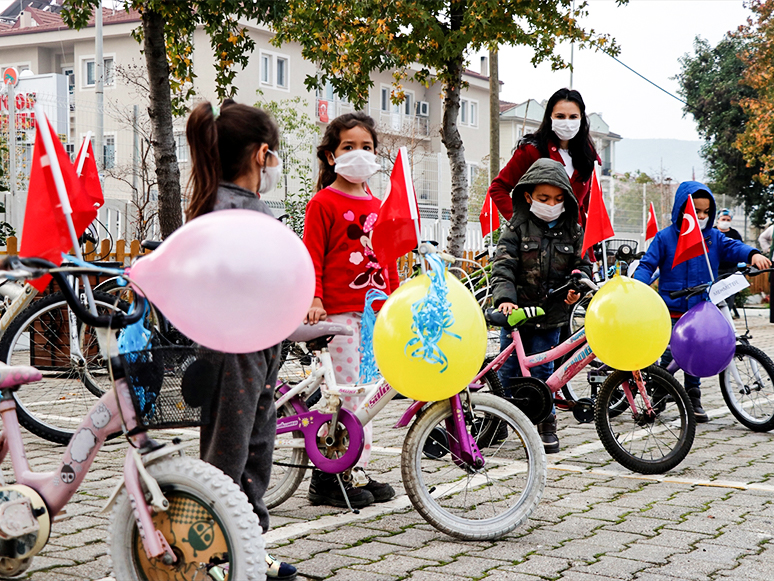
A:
515,319
306,332
14,376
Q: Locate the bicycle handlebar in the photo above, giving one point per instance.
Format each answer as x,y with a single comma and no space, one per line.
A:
700,288
21,268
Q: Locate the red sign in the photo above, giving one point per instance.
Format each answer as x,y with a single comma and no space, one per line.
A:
10,76
322,111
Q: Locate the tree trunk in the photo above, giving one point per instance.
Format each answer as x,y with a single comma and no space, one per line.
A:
494,115
451,139
160,113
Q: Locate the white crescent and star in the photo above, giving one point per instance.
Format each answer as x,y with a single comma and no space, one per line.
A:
691,224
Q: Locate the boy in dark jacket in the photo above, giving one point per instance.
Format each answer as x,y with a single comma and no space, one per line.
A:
538,250
661,254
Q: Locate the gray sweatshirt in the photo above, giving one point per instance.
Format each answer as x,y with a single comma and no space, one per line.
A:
233,197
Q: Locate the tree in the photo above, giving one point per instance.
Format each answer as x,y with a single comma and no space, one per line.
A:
756,143
350,40
709,83
167,35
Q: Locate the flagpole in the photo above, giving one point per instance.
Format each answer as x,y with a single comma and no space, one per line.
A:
413,208
706,255
61,190
82,153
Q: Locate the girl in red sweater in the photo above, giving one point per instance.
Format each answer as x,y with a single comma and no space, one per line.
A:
337,233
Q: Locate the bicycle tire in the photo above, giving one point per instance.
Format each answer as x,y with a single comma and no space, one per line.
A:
209,520
753,403
39,336
665,438
285,480
511,481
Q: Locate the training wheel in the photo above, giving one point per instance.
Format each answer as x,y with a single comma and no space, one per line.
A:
583,410
437,444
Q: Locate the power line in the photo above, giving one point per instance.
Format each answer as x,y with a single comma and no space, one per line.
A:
643,77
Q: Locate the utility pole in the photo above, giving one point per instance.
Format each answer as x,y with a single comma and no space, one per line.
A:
572,50
99,88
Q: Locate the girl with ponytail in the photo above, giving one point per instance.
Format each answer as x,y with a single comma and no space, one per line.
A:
234,161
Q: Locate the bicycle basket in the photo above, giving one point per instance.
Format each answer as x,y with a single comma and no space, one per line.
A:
171,387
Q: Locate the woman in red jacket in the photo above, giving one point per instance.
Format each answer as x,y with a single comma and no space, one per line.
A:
562,136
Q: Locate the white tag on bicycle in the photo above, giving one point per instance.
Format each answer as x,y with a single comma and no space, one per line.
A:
723,289
632,267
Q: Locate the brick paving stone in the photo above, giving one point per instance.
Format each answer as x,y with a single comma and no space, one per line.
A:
397,565
541,565
464,566
646,553
609,567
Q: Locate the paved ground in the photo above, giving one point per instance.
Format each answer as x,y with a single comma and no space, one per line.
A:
710,518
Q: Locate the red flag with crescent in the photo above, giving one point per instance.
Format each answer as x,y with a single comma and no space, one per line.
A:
690,243
652,227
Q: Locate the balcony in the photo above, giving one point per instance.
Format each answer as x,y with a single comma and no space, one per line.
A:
388,122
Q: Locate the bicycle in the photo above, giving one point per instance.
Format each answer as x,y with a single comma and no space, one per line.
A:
657,431
172,516
747,384
462,481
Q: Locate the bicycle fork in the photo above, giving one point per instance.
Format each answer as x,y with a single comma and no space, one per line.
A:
461,443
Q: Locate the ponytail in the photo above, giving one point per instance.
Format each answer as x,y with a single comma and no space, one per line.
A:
221,144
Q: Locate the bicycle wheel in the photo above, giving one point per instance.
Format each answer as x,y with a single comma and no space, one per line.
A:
465,501
289,463
751,400
209,525
40,336
648,443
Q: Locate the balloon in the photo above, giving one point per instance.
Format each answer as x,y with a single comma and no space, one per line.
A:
234,280
627,324
416,378
703,342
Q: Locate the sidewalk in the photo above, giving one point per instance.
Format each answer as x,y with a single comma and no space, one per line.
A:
711,517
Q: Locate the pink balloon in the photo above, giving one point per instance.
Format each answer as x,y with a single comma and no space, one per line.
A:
234,280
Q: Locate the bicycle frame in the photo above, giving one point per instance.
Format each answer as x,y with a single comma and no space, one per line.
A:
57,487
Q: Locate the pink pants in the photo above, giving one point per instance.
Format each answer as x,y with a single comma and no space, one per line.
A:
345,354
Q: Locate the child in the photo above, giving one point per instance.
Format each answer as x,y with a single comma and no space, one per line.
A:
234,160
661,253
337,232
724,225
537,252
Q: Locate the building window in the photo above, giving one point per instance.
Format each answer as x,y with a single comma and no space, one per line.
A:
109,151
181,147
90,72
385,100
408,104
274,70
282,72
474,113
464,112
469,112
69,72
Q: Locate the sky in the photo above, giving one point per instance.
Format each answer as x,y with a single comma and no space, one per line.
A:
653,35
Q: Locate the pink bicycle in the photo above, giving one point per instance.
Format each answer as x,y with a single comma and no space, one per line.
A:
173,517
643,418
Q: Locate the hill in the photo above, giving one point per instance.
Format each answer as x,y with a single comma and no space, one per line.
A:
680,158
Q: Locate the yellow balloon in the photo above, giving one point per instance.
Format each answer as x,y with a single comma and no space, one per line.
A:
627,324
414,377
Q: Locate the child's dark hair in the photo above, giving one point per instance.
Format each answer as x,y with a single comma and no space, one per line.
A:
331,140
221,146
581,147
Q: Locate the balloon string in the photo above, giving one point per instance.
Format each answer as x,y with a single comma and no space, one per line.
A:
432,317
368,368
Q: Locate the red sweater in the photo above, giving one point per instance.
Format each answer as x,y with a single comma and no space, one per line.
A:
337,233
523,158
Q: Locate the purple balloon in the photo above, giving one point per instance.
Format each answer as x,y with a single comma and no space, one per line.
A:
703,341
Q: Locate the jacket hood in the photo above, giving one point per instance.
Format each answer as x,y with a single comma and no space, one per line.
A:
545,171
686,189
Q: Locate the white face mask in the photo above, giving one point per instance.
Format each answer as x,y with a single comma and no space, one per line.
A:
703,222
270,174
565,129
546,212
724,225
357,166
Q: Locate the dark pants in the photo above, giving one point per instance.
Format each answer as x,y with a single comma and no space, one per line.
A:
691,381
239,439
534,341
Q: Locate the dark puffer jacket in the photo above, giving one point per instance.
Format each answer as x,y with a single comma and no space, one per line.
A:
533,258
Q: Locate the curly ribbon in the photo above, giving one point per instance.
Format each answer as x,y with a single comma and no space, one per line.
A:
432,317
368,369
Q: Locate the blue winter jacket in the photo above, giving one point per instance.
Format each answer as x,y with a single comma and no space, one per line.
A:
694,271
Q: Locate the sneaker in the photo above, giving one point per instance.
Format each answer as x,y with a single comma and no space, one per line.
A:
381,491
547,431
276,569
325,489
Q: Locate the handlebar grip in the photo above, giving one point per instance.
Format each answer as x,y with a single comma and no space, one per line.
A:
680,293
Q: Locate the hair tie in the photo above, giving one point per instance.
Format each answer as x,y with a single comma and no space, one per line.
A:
215,111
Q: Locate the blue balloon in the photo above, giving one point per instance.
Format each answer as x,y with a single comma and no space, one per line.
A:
703,341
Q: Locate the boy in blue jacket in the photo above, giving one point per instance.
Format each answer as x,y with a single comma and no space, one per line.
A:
692,272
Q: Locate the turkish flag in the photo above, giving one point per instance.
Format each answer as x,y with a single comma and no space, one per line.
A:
86,164
690,243
45,229
652,227
395,230
598,226
489,218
